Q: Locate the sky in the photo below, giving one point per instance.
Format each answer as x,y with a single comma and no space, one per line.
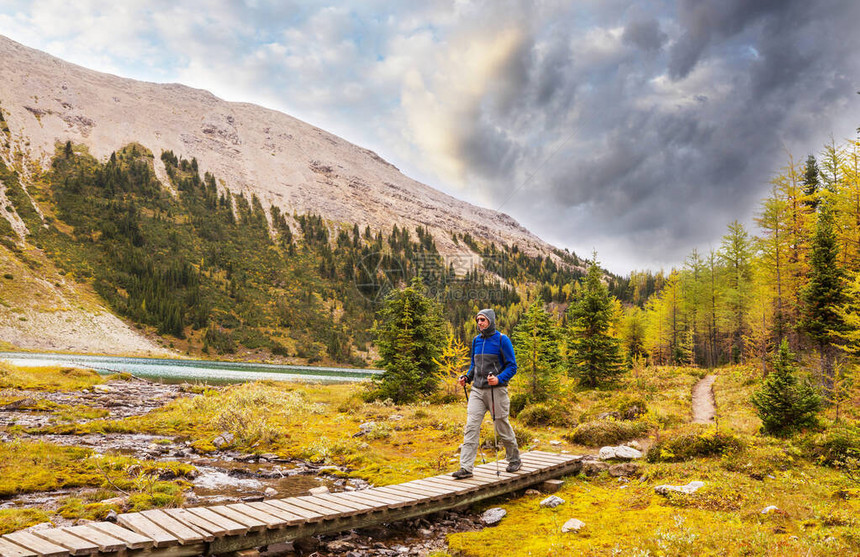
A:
636,129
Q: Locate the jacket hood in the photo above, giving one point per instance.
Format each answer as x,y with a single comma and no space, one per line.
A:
491,317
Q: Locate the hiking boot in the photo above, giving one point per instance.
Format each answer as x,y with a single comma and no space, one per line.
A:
513,466
461,474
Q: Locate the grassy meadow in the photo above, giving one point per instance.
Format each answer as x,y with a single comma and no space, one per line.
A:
805,476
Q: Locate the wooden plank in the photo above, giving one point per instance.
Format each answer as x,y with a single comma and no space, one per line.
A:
307,511
106,543
328,503
415,494
39,545
566,457
74,544
388,498
180,530
229,527
461,485
424,490
297,515
146,527
542,459
130,538
381,501
9,549
270,521
254,524
355,497
197,522
433,487
355,505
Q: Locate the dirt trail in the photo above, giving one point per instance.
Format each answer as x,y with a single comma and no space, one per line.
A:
703,400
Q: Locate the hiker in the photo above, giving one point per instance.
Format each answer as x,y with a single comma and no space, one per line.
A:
493,365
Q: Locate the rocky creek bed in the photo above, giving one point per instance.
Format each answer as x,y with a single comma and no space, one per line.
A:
222,476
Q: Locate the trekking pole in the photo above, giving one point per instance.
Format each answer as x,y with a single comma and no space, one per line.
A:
483,458
495,435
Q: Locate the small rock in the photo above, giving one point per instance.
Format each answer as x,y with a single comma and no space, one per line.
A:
769,509
634,445
688,489
269,457
111,516
253,499
552,501
339,546
426,532
493,516
321,490
305,546
572,525
555,443
623,469
223,440
395,417
594,467
532,492
270,492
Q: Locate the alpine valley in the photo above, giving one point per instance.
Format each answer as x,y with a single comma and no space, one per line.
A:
142,218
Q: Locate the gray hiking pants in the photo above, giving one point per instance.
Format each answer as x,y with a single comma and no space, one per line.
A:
480,402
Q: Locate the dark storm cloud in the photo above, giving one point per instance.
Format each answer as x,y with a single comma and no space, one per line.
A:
678,120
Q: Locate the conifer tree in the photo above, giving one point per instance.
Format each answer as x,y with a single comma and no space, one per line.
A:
410,334
824,294
536,341
595,354
784,403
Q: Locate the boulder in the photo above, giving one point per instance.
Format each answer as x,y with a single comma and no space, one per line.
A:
493,516
572,525
552,501
619,453
623,469
594,467
688,489
223,440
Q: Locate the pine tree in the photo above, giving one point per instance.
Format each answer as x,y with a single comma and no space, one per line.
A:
595,355
410,333
536,341
824,294
783,403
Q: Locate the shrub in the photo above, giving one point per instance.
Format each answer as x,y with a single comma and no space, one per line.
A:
536,414
691,444
760,460
518,402
544,414
834,445
607,432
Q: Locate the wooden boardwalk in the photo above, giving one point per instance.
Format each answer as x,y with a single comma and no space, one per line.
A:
225,529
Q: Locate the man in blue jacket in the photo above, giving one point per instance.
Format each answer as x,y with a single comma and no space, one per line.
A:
493,365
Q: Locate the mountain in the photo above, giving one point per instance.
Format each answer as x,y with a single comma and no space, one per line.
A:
284,161
206,224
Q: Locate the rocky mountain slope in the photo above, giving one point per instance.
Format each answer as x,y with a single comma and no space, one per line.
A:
284,161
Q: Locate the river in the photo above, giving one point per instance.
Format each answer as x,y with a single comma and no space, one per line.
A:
204,371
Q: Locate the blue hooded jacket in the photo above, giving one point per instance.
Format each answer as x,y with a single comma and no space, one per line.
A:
492,353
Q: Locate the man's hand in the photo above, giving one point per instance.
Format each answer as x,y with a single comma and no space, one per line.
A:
492,380
462,380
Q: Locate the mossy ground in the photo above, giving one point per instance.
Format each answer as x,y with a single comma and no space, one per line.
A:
818,505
